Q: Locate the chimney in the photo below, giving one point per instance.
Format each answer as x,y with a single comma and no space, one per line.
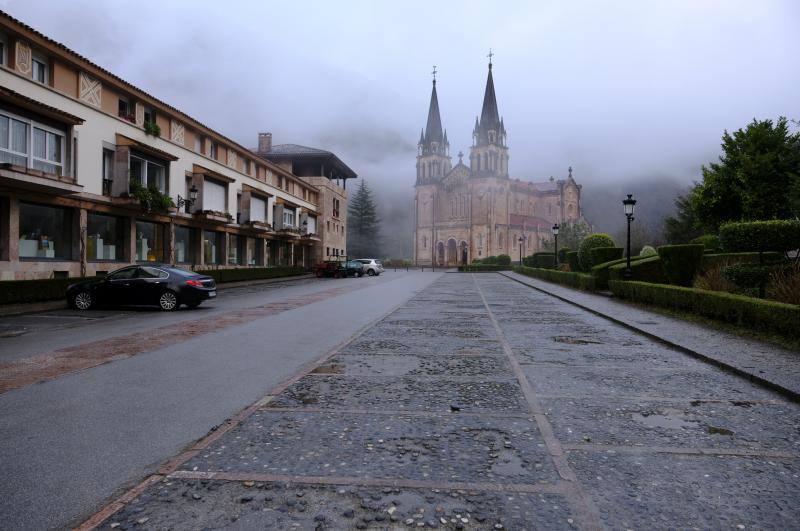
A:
264,142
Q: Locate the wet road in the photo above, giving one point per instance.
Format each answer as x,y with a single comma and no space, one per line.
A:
482,404
125,390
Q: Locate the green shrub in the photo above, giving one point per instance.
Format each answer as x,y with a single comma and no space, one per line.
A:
601,255
543,259
646,269
602,272
709,241
681,262
490,260
503,259
483,268
573,261
567,278
46,289
591,242
648,250
255,273
748,275
748,312
725,259
774,235
562,254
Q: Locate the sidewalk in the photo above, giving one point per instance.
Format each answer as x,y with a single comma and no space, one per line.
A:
770,365
7,310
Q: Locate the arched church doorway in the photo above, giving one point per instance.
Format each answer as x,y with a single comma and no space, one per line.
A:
452,252
463,246
440,253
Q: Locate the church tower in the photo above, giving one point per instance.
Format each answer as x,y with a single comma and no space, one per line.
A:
433,150
489,152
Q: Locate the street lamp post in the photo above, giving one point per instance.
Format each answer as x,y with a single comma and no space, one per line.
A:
188,202
521,241
629,204
555,238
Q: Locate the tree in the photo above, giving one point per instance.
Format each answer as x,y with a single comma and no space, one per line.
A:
363,225
570,234
756,177
683,226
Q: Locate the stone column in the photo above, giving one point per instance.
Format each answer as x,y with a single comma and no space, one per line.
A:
171,242
130,242
11,230
81,226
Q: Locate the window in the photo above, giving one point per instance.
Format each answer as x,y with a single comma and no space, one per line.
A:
255,251
214,196
335,207
288,218
213,247
40,69
108,170
247,166
149,115
45,232
185,248
234,250
258,209
148,173
151,272
149,242
13,141
311,228
3,51
213,150
125,110
198,143
48,150
105,237
123,274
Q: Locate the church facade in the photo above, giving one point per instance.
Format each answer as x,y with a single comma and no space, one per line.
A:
472,210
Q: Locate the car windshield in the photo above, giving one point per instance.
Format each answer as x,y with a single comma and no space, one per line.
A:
124,273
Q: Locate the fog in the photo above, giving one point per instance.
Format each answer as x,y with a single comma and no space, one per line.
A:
633,95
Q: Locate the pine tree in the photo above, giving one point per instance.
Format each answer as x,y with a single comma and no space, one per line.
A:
363,225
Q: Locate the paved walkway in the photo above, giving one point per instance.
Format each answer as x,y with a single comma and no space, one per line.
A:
481,404
768,364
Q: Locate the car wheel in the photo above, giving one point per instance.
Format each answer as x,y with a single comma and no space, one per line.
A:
371,272
360,274
168,301
82,300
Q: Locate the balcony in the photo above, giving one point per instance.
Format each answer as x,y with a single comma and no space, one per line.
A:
213,217
24,178
261,226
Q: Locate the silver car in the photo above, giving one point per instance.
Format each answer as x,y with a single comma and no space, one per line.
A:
371,266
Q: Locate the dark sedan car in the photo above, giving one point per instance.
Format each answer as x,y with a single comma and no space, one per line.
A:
164,286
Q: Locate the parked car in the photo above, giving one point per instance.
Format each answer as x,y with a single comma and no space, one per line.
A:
351,268
371,266
159,285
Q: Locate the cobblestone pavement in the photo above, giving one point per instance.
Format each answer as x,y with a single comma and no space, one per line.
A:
480,404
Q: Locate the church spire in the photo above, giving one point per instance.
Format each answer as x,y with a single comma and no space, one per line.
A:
490,116
434,141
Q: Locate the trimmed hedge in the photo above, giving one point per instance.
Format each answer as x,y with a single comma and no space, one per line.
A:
543,260
775,235
714,259
562,255
601,255
483,268
503,259
709,241
567,278
647,269
46,289
681,262
255,273
748,275
743,311
602,272
573,261
590,242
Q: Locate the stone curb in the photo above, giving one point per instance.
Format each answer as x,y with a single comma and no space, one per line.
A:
786,392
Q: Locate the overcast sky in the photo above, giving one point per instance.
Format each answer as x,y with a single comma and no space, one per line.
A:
622,91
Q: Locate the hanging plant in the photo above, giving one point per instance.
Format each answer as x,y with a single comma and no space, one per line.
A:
152,128
151,198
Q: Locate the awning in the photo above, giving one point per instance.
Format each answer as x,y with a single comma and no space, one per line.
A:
123,140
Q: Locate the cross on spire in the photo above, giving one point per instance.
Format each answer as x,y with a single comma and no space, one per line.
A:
490,57
434,73
570,171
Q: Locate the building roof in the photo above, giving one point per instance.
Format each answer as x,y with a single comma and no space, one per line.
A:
29,103
296,151
529,221
547,186
99,69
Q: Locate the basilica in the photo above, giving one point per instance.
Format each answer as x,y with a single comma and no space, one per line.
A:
471,211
